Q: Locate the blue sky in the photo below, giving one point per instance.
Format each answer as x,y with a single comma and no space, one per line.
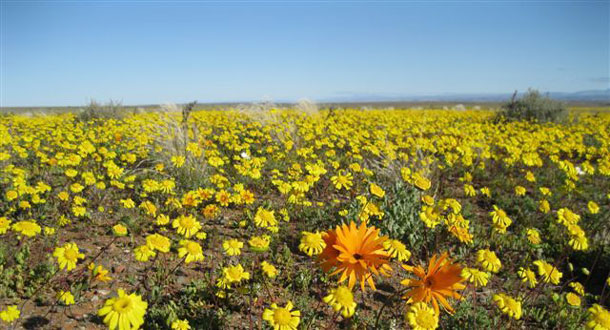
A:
66,52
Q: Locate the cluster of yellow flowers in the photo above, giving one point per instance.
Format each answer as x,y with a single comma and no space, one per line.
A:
443,203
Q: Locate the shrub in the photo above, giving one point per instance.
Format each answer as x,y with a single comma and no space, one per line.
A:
95,110
533,107
175,134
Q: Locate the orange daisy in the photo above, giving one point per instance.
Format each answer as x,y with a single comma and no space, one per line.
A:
356,253
442,280
328,257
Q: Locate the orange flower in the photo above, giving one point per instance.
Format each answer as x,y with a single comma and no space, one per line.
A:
442,280
356,252
328,257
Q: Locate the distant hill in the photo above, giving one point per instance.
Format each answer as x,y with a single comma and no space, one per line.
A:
581,96
588,97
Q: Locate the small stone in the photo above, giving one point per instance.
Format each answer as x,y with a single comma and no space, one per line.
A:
103,292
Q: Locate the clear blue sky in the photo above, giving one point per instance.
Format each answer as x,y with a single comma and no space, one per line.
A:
66,52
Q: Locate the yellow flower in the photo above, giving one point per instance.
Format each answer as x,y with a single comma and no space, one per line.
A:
578,288
186,225
579,242
282,318
223,198
25,205
149,208
469,190
341,299
377,190
27,228
124,312
5,224
128,203
210,211
599,318
548,272
475,276
144,253
311,243
396,249
405,173
527,275
119,230
178,161
64,196
181,325
192,250
421,182
533,236
232,247
508,305
566,217
233,274
67,256
79,200
99,273
63,221
79,211
162,220
167,186
76,187
520,191
421,317
428,200
544,206
430,216
269,269
11,195
71,172
500,220
10,314
593,207
158,242
573,299
342,180
264,218
489,260
259,243
65,297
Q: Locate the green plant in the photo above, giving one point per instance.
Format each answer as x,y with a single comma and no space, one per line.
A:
533,107
95,110
401,220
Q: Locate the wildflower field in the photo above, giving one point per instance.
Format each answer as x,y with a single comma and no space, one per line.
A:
289,219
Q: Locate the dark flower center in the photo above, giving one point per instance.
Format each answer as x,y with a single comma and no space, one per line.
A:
357,256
